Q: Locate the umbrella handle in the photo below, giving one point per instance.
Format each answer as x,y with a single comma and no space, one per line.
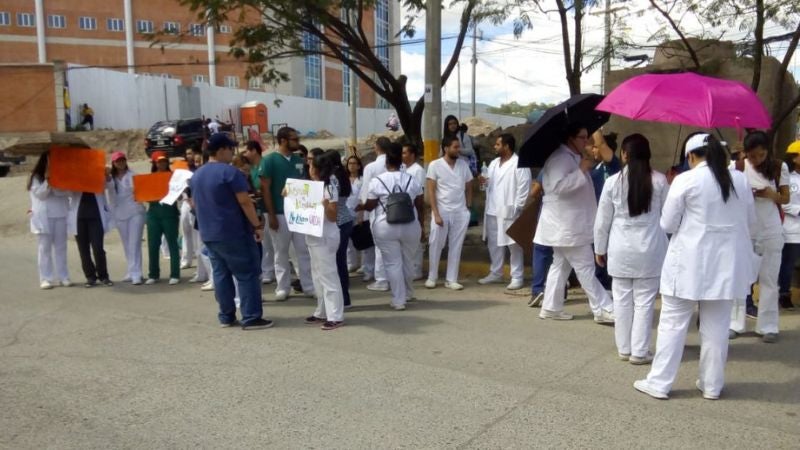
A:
677,149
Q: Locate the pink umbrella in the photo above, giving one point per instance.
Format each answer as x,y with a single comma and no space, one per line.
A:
687,99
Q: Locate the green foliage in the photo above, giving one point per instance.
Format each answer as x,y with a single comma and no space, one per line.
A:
515,109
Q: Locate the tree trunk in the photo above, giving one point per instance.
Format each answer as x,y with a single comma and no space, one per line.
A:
575,79
758,45
568,68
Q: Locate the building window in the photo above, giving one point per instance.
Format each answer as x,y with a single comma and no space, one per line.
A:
254,83
197,29
5,19
382,31
144,26
172,27
25,20
232,82
87,23
56,21
313,66
346,83
115,25
199,79
225,29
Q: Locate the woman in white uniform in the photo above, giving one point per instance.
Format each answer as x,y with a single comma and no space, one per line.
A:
128,215
397,242
49,211
791,229
356,171
628,239
410,157
769,180
709,264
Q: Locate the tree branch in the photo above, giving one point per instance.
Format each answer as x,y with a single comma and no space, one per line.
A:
682,36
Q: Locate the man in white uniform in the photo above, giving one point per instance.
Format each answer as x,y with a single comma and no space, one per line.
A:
412,167
375,259
507,191
449,188
566,224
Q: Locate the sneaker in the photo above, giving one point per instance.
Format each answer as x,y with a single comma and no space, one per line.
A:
453,285
367,278
228,324
785,301
770,338
327,326
136,282
281,296
379,286
706,395
752,312
258,324
151,281
515,285
399,307
126,279
351,269
107,282
314,320
624,356
185,265
430,284
411,299
641,360
297,286
66,283
605,318
642,386
267,280
360,270
491,279
90,283
174,281
536,300
207,286
555,315
732,334
46,285
196,279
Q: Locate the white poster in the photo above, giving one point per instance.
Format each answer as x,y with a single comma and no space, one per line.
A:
303,206
177,184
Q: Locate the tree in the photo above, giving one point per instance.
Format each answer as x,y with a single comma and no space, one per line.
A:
336,30
515,109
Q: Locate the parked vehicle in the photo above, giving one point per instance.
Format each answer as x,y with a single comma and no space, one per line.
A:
175,136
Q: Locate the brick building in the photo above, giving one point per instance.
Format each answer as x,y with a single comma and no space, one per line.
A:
113,34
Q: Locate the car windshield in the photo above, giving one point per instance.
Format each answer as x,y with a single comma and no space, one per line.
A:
190,126
160,126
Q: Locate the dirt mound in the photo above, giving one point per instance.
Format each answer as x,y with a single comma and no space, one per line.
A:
479,127
130,142
393,135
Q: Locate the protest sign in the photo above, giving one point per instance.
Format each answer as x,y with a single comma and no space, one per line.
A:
179,164
151,187
303,206
78,169
177,184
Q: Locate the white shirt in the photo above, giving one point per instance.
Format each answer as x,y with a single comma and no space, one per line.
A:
213,127
330,230
768,219
355,194
508,187
451,195
635,246
710,255
791,224
378,191
372,170
120,195
46,203
416,171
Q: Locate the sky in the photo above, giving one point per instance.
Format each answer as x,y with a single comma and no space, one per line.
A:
531,68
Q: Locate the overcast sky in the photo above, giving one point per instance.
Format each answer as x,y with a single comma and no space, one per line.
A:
531,68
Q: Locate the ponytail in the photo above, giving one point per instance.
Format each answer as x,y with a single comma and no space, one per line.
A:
717,161
640,178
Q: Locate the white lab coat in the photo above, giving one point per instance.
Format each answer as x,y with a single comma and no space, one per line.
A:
416,171
506,195
710,255
120,196
569,204
791,223
47,202
635,246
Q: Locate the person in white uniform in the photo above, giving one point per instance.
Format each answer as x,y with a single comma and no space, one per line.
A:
49,211
412,167
769,179
128,214
710,262
566,224
356,171
628,239
507,190
397,241
190,237
449,187
791,229
373,264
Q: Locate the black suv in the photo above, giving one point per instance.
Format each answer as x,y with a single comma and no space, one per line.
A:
174,137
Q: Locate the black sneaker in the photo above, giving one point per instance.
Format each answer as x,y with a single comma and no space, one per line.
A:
258,324
314,320
228,324
297,286
785,300
90,283
107,282
752,312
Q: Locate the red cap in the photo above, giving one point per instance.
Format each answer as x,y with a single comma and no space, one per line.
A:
156,156
117,155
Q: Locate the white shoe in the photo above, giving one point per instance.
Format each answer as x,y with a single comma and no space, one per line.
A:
281,296
136,282
351,269
267,280
174,281
706,395
642,386
453,285
641,361
378,286
46,285
66,283
624,356
605,317
555,315
491,279
360,269
185,265
151,281
515,285
196,279
207,286
430,284
399,307
367,278
127,279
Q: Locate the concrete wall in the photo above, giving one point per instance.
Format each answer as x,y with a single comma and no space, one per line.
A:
30,100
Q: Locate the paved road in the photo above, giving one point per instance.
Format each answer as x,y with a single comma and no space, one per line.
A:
148,367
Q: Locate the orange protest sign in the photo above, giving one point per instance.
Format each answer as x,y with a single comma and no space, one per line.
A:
78,169
179,164
151,187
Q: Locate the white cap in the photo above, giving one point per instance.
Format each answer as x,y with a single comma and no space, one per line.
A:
696,141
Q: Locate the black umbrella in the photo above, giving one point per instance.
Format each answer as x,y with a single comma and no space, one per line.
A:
544,137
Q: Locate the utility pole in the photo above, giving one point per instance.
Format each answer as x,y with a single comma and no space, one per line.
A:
353,96
432,115
458,90
474,65
607,49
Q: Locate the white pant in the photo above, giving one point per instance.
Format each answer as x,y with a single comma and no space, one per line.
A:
582,260
676,314
327,287
397,243
53,248
354,257
374,260
268,254
281,238
452,232
130,233
191,238
204,270
417,260
770,251
633,313
497,254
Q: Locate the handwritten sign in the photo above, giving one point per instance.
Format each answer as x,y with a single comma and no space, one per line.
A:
303,206
177,184
151,187
78,169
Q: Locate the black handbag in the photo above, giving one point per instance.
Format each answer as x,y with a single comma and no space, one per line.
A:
362,236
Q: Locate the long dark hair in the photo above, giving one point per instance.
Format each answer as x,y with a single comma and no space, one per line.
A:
329,164
446,130
39,169
770,168
717,161
360,165
640,178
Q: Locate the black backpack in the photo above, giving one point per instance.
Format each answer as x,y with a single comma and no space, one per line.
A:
399,207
